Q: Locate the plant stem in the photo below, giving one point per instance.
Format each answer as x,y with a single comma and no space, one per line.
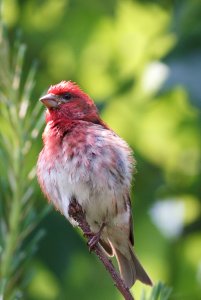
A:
11,242
75,211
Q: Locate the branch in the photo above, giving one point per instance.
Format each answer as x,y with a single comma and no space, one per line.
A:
75,211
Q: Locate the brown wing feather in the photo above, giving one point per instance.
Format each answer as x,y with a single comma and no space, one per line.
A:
131,233
106,246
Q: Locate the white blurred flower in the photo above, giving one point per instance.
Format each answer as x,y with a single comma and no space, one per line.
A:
168,216
154,76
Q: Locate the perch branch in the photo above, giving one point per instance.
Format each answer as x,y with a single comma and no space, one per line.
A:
75,211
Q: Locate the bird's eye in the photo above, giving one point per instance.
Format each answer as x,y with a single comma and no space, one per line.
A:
67,96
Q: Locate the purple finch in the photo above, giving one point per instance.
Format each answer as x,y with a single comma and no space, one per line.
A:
84,159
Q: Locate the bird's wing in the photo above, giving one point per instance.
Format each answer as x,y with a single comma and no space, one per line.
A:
131,235
106,246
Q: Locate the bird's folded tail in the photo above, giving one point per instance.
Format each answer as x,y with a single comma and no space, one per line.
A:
130,268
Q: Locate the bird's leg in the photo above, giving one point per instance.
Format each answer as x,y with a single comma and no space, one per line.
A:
75,211
94,237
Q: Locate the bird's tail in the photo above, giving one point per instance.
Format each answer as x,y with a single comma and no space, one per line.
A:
130,268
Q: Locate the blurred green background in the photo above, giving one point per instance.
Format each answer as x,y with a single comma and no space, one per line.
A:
141,63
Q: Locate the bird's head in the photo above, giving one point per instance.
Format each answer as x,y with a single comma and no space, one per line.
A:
66,100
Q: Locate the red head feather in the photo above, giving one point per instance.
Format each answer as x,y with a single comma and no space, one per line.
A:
81,107
64,87
69,87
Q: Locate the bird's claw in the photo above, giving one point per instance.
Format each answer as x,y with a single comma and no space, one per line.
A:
93,238
93,241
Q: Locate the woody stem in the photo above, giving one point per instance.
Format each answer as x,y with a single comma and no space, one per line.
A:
75,211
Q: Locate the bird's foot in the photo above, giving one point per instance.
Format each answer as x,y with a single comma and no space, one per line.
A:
93,238
93,241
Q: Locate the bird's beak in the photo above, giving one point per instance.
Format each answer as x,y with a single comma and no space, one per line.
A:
50,100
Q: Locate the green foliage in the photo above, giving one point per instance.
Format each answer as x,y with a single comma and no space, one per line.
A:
140,61
159,292
19,127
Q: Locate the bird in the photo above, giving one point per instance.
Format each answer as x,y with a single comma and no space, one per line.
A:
83,159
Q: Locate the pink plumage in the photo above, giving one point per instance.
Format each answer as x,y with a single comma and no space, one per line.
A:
83,159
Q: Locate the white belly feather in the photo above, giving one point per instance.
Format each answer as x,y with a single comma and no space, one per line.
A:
93,182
